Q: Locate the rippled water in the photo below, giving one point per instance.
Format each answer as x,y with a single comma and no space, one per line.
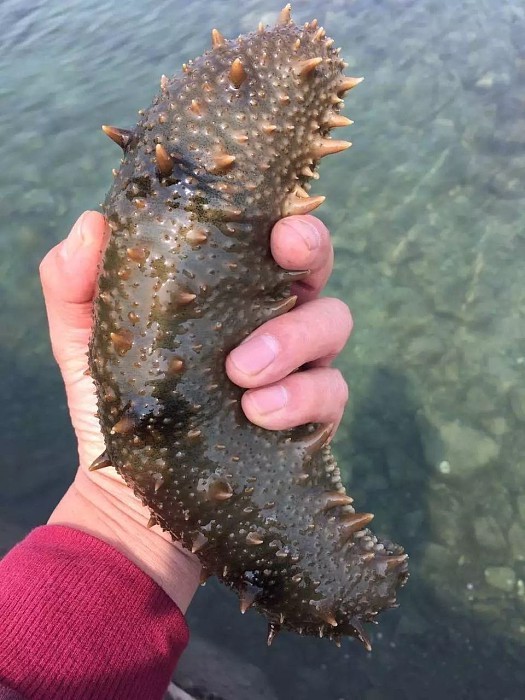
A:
428,216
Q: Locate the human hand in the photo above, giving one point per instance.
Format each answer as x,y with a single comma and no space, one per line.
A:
310,335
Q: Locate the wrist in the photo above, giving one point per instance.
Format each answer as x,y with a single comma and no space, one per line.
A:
103,506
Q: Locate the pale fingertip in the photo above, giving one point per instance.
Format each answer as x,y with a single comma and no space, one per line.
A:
87,232
74,241
301,227
93,228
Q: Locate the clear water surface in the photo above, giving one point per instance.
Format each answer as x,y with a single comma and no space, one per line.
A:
428,216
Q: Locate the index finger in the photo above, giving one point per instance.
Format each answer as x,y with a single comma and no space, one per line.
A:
303,243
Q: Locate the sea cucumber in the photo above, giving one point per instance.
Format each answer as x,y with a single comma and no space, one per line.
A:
225,150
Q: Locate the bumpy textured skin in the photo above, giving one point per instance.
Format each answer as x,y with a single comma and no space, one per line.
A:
187,274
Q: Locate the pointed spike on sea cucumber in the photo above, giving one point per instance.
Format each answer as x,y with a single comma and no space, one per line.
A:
123,426
300,192
314,23
326,147
198,542
307,171
122,137
151,522
297,205
331,499
247,596
273,631
318,439
237,74
295,275
137,254
269,128
260,28
196,108
183,298
336,120
175,365
361,634
254,538
337,642
101,462
122,341
285,15
222,162
158,480
220,491
393,562
319,34
353,522
163,82
347,83
283,306
328,617
195,236
217,38
303,68
164,160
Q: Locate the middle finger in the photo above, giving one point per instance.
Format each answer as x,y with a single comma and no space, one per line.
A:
318,329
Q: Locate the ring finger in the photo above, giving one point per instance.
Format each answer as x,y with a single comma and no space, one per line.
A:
295,400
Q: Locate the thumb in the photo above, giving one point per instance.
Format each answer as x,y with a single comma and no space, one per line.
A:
68,275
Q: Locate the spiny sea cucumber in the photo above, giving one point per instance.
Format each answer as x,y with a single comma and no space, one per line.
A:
224,151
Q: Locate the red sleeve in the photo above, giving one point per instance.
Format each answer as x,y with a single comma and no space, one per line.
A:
79,621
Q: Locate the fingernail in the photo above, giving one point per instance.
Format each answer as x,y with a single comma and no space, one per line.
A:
255,354
270,399
304,230
75,239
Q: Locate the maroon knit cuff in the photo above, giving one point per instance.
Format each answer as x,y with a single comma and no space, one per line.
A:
79,621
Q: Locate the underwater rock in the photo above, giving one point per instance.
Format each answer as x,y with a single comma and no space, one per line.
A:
465,449
489,534
206,670
501,577
225,150
517,402
517,541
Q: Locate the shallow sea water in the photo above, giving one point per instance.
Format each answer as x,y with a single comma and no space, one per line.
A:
427,211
